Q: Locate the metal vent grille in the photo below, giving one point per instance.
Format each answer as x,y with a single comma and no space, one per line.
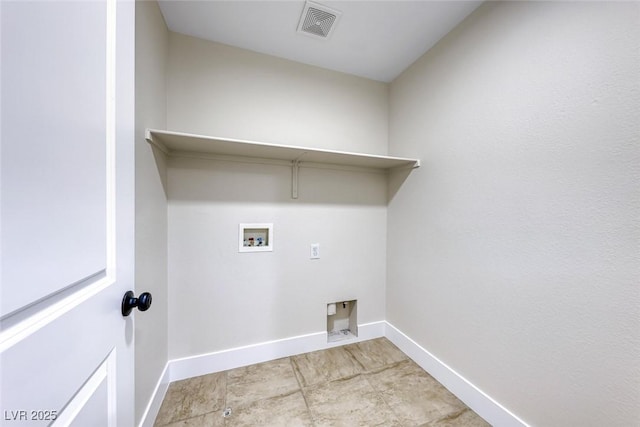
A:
317,20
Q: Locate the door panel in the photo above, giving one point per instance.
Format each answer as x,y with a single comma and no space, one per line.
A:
94,404
54,125
66,218
93,411
64,361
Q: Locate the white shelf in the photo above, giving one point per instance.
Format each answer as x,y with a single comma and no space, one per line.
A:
175,143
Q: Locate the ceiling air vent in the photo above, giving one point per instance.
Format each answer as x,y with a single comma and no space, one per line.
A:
317,20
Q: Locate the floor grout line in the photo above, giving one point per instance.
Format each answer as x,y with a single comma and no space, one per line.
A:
304,396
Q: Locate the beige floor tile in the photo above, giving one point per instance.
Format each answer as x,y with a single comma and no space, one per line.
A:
280,411
414,396
192,397
374,354
466,418
326,365
260,381
348,402
212,419
371,383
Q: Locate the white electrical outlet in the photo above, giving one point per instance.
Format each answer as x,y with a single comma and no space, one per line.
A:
315,251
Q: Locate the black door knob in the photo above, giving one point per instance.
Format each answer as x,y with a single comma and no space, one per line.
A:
129,302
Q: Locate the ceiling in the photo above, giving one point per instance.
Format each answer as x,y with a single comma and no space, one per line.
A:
374,39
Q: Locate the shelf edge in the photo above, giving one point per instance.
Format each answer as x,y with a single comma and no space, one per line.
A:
148,135
157,142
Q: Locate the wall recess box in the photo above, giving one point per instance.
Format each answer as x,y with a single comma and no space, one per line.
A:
342,320
257,237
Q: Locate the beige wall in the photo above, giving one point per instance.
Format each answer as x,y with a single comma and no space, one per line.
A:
151,327
220,298
513,251
228,92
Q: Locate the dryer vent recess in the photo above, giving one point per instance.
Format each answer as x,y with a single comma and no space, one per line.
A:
342,320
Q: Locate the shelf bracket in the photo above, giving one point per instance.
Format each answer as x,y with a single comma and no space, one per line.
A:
295,167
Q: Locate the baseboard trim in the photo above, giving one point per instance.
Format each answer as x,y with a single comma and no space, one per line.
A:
153,407
202,364
481,403
188,367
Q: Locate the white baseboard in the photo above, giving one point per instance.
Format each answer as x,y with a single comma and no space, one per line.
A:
151,412
188,367
202,364
494,413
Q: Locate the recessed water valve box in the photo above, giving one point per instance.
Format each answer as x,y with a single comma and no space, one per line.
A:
255,237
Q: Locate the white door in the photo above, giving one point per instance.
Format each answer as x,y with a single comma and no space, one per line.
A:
66,212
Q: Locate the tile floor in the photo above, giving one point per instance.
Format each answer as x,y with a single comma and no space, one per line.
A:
371,383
